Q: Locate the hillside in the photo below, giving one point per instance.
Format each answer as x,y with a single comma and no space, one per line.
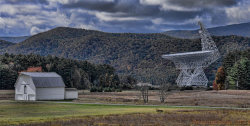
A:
236,29
5,44
14,39
136,54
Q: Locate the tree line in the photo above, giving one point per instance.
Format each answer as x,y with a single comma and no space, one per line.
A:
79,74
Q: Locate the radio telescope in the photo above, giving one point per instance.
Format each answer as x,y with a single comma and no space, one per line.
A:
191,64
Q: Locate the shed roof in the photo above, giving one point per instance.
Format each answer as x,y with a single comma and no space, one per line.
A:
70,89
45,79
144,84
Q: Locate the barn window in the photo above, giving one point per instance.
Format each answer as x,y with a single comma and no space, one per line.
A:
25,89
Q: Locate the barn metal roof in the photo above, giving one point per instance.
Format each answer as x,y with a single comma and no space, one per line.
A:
45,79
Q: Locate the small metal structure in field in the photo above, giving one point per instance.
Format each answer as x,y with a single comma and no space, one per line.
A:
191,64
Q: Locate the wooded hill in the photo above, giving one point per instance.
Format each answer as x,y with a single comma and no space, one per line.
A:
138,55
14,39
5,44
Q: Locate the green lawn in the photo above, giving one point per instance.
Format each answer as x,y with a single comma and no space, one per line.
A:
28,112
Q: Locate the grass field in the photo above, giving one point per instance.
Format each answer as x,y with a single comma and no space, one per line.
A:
28,112
50,113
77,114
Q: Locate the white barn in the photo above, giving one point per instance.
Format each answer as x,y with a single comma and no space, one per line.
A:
40,86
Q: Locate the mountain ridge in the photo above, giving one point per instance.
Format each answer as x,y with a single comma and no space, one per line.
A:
15,39
5,44
242,29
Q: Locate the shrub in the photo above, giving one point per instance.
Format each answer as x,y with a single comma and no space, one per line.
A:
96,89
93,89
189,88
186,88
99,89
209,89
107,89
118,90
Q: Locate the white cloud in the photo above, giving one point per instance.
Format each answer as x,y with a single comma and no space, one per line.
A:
35,30
166,5
7,22
238,14
19,9
104,16
87,26
159,21
8,9
2,24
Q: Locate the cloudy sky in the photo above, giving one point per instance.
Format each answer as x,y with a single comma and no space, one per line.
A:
28,17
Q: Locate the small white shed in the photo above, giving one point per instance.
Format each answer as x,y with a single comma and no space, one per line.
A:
39,86
71,93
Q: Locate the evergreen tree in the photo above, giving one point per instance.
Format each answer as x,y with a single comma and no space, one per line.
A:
239,75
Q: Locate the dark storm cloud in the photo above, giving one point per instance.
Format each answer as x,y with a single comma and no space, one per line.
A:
94,5
128,8
203,3
26,1
129,26
34,16
134,8
133,5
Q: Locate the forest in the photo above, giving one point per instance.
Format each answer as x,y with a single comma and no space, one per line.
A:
75,73
234,72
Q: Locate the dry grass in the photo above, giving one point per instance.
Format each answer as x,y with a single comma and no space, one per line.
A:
178,117
224,98
7,94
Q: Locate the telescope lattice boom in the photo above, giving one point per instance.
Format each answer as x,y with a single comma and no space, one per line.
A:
191,64
208,44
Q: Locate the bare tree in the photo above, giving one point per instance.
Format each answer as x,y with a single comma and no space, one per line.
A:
163,91
144,87
144,91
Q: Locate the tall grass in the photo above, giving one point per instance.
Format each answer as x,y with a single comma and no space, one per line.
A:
177,117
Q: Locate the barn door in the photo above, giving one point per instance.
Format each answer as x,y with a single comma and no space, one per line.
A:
25,94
